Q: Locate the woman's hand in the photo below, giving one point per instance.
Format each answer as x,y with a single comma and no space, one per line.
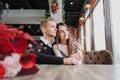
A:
78,56
70,61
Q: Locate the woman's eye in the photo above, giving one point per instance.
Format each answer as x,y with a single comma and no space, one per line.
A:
60,31
66,29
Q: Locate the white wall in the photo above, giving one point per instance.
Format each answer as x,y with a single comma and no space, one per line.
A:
88,35
82,35
23,16
99,30
115,21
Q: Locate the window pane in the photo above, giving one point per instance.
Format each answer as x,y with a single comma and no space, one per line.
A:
99,30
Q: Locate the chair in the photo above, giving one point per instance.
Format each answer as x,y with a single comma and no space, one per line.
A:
98,57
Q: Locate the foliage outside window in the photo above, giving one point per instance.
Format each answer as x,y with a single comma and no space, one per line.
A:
54,6
63,11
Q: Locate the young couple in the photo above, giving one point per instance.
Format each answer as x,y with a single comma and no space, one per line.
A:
63,52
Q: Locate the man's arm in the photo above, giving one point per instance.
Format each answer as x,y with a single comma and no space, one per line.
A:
43,58
51,59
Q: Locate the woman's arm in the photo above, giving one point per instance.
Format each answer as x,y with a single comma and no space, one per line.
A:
57,51
78,53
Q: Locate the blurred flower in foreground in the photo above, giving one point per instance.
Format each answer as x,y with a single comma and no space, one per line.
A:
13,55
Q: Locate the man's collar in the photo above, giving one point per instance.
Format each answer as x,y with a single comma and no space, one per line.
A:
46,42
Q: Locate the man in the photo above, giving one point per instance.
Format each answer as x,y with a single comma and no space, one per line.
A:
45,54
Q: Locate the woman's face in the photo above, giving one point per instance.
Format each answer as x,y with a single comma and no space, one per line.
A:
63,33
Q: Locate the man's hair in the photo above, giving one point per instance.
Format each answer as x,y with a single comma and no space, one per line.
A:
44,22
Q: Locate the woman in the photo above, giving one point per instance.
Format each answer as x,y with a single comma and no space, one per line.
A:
65,47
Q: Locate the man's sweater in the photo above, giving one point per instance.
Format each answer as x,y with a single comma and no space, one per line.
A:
45,54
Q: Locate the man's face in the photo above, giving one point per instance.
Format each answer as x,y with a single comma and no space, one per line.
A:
51,29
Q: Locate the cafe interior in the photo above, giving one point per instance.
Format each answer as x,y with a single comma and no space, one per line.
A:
93,24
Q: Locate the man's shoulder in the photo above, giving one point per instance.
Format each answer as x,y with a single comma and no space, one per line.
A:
39,41
54,43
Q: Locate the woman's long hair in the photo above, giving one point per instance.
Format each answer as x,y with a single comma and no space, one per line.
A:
69,41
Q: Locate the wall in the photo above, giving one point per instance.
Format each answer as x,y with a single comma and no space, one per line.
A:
23,16
99,26
115,19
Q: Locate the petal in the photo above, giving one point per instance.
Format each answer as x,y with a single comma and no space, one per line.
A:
20,44
28,60
2,71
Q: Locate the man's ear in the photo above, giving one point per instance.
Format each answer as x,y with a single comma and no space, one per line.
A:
44,30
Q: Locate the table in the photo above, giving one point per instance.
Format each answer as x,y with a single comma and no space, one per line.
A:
73,72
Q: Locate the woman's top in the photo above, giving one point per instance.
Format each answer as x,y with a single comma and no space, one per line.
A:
62,51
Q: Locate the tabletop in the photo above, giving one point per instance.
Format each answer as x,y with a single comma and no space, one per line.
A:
73,72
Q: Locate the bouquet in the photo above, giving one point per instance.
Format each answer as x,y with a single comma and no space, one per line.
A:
14,54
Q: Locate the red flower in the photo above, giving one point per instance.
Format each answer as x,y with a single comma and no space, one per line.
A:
13,32
6,47
2,71
6,35
3,27
28,37
13,41
28,60
20,44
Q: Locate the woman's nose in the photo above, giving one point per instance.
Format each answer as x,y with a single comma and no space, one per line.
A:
65,32
55,29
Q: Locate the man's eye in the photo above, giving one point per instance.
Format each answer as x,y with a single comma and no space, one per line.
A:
53,26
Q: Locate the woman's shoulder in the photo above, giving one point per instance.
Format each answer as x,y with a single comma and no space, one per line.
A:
59,46
55,45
